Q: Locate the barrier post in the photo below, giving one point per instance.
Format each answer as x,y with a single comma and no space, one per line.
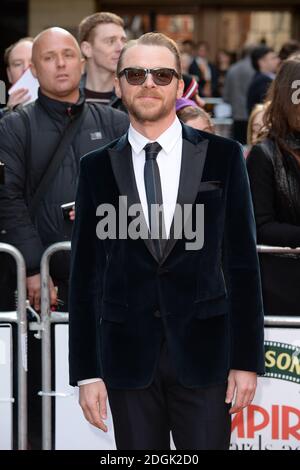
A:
21,320
46,392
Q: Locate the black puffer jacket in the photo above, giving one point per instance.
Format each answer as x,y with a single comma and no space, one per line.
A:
48,119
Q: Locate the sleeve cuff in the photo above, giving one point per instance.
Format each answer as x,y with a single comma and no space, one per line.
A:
88,381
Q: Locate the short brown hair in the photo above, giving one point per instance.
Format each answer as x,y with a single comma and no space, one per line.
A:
86,30
9,49
193,112
153,39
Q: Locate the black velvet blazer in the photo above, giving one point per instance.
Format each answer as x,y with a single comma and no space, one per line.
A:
207,302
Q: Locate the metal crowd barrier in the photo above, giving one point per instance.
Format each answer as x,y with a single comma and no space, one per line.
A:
20,318
48,317
279,320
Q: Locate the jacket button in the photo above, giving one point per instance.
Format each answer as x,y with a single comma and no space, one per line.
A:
157,314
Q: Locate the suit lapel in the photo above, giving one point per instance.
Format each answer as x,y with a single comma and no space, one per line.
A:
121,162
192,164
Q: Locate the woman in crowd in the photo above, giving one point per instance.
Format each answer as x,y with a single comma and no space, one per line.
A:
274,173
256,128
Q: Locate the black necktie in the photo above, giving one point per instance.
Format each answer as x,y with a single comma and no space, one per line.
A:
154,197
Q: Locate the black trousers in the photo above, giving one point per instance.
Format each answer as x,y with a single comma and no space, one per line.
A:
197,417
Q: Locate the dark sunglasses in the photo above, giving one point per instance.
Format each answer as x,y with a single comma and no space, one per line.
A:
137,76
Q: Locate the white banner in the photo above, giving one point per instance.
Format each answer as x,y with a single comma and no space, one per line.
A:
272,422
72,431
6,390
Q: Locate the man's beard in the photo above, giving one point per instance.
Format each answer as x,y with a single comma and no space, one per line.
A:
143,114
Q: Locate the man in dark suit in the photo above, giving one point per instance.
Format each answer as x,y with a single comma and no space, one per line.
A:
170,330
265,62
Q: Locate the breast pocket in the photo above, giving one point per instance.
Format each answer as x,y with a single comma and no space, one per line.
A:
210,190
215,194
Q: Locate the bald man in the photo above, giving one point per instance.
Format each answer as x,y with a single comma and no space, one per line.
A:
28,140
57,63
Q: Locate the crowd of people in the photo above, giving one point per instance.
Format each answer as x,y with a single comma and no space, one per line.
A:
79,110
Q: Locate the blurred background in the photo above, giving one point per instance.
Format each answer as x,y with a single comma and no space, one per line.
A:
224,24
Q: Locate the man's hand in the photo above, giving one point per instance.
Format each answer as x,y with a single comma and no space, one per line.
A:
92,399
242,385
20,96
34,291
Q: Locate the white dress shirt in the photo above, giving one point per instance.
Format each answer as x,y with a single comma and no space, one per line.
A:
169,164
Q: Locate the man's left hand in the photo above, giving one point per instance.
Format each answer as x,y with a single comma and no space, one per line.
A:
242,385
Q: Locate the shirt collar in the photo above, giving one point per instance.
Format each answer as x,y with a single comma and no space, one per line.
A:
167,139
